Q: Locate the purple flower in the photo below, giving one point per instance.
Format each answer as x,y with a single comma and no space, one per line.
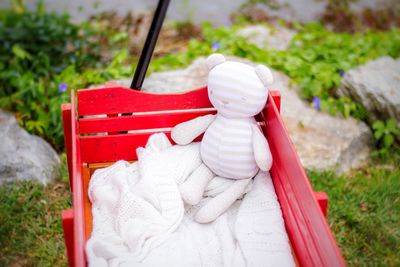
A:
341,73
227,23
215,45
316,102
62,87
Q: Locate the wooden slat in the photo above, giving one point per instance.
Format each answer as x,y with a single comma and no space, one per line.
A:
124,100
292,228
78,192
113,147
138,122
110,148
308,230
68,227
86,174
276,96
67,120
323,200
99,165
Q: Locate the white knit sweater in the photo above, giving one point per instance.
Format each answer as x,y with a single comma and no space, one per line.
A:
139,218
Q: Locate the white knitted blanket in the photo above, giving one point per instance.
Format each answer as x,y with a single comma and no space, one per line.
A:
139,218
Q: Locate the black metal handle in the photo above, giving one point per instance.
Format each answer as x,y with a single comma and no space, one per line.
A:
149,44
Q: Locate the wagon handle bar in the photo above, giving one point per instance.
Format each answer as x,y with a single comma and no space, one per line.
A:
149,45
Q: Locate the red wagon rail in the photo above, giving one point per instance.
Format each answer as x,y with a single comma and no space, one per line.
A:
96,135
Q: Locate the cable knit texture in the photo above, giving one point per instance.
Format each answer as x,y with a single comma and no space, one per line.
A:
139,218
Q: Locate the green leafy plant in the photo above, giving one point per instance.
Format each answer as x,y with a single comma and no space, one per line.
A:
385,133
43,56
42,43
315,60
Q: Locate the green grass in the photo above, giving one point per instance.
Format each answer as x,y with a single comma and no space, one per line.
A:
364,212
30,224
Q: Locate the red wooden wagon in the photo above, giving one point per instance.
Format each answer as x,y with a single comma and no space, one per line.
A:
107,124
94,141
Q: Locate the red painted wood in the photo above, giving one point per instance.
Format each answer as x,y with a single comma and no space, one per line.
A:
276,96
78,194
137,122
308,231
113,147
124,100
108,132
292,228
322,199
66,118
67,217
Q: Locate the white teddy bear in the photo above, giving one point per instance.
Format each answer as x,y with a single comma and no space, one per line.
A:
233,145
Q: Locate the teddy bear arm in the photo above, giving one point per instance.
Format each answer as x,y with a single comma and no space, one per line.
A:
187,131
262,153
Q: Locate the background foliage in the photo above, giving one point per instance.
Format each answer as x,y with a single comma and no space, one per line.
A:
316,58
43,56
50,55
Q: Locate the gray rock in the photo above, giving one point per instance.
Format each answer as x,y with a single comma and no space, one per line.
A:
24,156
322,142
277,38
193,77
376,85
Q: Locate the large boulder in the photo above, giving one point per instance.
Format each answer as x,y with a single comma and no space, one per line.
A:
24,156
376,85
322,142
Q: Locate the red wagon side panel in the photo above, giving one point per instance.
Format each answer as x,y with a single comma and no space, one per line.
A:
307,228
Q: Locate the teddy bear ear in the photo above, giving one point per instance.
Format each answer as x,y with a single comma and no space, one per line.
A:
264,74
214,60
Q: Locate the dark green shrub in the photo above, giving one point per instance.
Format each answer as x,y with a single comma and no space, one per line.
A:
36,48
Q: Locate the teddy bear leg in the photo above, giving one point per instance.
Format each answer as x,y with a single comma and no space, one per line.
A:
219,204
193,188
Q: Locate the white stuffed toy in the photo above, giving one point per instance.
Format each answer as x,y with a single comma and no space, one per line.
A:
233,145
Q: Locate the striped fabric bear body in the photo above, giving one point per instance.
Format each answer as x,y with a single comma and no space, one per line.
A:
238,94
233,147
227,148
